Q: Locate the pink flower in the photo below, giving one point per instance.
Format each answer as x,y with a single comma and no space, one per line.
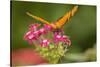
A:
37,33
56,33
57,38
61,38
45,43
33,27
43,31
48,27
66,40
29,36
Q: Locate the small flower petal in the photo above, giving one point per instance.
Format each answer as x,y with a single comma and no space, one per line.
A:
66,40
57,38
45,43
37,33
48,27
43,31
33,27
29,36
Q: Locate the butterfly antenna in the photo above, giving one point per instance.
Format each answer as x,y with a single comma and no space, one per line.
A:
38,18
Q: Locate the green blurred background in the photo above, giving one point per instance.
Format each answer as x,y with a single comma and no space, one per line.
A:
81,28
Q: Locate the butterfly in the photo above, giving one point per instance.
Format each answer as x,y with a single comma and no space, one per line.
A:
60,22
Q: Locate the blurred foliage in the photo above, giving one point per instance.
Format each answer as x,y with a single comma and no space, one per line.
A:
81,28
88,55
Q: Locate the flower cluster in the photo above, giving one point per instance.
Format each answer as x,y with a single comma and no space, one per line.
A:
50,43
36,35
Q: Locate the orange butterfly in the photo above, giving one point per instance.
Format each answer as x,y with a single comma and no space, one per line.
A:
60,22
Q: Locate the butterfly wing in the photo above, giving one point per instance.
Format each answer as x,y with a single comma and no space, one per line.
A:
38,18
60,22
